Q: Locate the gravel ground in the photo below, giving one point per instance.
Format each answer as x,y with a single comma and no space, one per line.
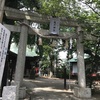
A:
49,89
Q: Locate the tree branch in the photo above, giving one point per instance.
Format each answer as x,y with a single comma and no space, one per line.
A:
86,3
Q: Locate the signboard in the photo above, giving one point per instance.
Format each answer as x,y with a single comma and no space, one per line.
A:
54,26
4,40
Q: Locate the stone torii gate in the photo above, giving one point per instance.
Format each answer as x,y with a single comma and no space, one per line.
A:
79,92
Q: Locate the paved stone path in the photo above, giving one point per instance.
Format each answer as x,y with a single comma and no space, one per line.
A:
48,89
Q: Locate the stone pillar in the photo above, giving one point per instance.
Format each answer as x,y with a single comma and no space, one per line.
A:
80,60
2,3
21,54
81,92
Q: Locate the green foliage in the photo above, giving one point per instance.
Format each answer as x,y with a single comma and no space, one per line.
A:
12,3
60,73
45,26
30,4
56,8
15,38
18,4
67,29
46,58
45,62
31,40
94,5
47,50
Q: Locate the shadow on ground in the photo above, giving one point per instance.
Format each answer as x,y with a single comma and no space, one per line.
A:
50,89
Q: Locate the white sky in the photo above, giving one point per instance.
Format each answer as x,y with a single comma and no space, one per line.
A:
62,54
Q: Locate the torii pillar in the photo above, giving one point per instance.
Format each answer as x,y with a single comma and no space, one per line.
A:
80,59
81,92
19,72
